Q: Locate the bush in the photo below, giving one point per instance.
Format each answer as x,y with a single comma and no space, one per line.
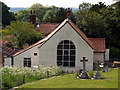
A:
114,52
13,76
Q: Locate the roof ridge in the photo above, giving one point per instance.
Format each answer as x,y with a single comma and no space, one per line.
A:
81,34
57,29
96,38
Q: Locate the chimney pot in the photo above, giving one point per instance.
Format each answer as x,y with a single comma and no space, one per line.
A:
68,13
33,18
34,11
31,12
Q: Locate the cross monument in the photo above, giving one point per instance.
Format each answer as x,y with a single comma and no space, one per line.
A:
97,74
84,74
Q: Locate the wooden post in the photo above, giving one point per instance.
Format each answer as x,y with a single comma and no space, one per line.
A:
67,71
0,84
72,72
48,74
23,79
97,65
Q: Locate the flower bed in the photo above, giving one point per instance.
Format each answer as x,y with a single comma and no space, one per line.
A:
15,76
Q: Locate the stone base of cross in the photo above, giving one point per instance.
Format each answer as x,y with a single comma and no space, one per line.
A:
84,74
97,74
105,69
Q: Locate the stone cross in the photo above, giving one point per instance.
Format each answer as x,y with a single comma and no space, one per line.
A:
105,69
84,74
84,60
97,74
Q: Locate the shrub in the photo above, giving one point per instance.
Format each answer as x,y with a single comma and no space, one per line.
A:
13,76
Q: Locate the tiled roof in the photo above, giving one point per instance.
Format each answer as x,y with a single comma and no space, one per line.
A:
99,44
41,42
47,28
8,51
74,27
81,34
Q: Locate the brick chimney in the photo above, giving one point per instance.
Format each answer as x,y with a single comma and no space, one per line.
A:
68,13
33,18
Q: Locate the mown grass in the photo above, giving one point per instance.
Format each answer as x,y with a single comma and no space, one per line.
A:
70,81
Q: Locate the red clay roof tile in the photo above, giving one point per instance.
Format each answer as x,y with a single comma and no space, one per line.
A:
8,51
99,44
41,42
47,28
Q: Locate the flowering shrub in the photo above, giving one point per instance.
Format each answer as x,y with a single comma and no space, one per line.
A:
13,76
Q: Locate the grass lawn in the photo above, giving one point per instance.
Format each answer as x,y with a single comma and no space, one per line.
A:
70,81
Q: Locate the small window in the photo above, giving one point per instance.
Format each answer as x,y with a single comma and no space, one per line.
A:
35,54
27,62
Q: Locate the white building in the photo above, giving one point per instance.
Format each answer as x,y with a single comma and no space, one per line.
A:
64,46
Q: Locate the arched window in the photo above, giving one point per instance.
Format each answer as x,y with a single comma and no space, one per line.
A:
66,52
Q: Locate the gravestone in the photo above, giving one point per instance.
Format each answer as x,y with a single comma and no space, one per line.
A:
84,74
97,74
105,69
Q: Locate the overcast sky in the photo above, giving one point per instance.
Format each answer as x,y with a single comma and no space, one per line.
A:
58,3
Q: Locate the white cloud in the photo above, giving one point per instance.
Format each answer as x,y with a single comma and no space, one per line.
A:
59,3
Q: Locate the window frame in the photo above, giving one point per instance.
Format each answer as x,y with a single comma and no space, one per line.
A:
27,62
66,53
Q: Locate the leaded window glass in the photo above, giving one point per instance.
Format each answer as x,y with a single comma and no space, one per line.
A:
66,52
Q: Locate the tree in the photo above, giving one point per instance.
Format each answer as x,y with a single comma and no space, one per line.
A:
60,15
49,16
23,15
40,11
20,33
102,21
92,24
84,6
57,15
116,0
98,7
7,16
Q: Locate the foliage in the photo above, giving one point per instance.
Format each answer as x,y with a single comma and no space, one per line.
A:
40,11
98,7
22,15
84,6
92,24
13,76
49,16
57,15
7,16
20,33
100,21
114,52
70,81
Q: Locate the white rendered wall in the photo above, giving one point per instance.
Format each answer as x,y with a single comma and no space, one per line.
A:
98,57
18,60
48,52
107,54
8,61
